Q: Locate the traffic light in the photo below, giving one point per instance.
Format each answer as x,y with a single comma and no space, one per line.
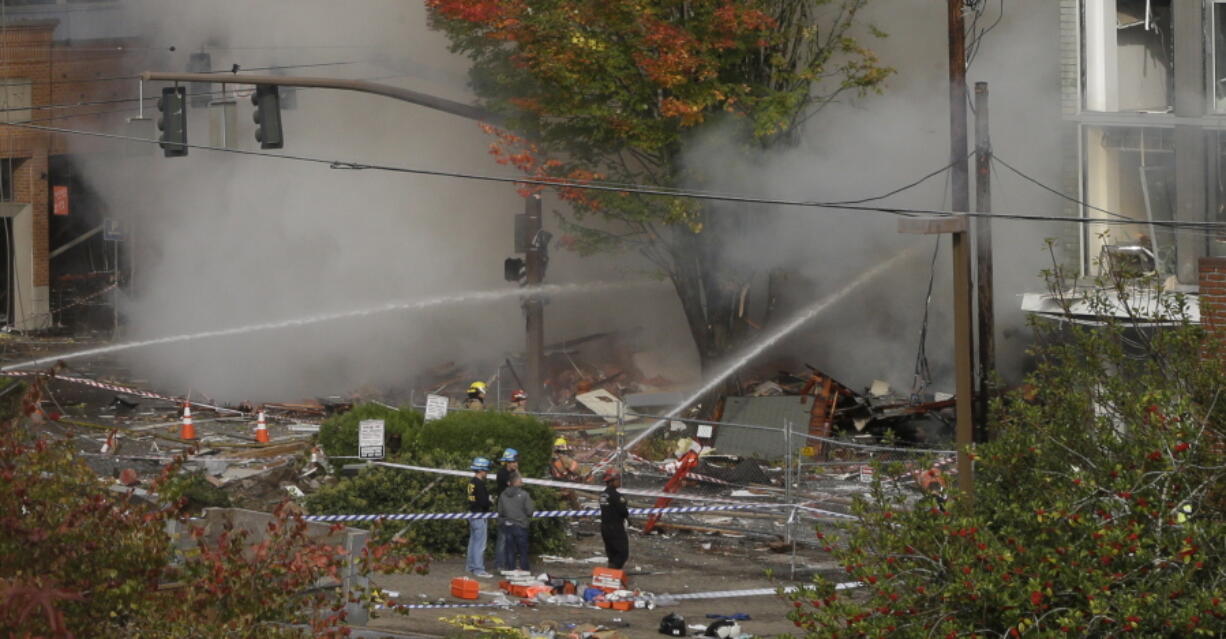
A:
267,116
513,269
172,121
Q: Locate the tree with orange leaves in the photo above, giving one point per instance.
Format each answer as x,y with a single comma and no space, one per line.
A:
611,91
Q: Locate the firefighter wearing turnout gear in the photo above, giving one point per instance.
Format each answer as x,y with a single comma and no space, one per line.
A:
476,396
563,467
613,515
519,401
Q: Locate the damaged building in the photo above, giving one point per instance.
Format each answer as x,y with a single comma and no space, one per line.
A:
1144,100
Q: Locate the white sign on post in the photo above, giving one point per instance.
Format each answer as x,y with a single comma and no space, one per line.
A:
436,407
370,439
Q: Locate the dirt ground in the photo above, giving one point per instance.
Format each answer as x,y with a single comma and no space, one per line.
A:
674,563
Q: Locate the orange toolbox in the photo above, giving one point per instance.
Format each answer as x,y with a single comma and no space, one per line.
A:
608,578
465,588
616,605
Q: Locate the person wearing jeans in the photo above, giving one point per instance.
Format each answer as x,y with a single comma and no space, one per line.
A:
478,502
510,466
515,514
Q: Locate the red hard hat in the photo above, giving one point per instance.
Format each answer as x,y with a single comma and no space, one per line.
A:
610,474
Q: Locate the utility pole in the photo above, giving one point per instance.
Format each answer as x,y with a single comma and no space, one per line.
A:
983,255
534,306
959,183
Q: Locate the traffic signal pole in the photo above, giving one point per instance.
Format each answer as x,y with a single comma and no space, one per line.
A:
361,86
537,255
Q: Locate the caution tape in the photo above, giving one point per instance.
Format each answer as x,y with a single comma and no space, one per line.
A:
689,596
540,514
127,390
81,300
750,592
661,466
655,494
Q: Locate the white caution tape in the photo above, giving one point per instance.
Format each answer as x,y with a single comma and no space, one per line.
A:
396,606
81,300
540,514
120,389
749,592
655,494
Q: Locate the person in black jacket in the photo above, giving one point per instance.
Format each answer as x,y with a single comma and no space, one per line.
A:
613,515
478,502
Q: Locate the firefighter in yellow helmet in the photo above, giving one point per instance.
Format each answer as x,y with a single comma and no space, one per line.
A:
476,396
562,466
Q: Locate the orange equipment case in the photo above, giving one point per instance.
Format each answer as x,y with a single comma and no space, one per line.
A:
465,588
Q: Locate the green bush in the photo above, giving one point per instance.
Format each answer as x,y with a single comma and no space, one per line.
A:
339,434
379,489
486,434
1099,506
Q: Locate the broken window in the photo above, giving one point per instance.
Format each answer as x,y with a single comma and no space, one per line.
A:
1128,55
1130,172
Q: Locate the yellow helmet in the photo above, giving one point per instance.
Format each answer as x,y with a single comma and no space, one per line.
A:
561,443
477,387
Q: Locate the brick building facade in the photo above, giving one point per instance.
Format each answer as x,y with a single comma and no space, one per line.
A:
1213,299
37,76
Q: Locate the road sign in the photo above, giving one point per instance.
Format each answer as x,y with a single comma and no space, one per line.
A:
370,439
112,230
436,407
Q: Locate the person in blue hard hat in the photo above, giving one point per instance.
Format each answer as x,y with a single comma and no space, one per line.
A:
510,466
478,502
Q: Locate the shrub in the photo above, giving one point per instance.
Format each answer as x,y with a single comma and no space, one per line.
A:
379,489
339,434
1098,508
481,433
77,559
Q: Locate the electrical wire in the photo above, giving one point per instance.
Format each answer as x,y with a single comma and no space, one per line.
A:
923,375
1036,182
636,189
905,187
977,38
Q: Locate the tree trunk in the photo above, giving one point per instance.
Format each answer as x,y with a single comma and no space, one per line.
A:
710,289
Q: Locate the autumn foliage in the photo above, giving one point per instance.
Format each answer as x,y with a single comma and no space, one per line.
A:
607,94
1100,506
80,560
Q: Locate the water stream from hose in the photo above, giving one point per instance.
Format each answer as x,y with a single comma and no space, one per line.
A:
390,307
783,330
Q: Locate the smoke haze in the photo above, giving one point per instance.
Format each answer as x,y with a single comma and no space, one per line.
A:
224,240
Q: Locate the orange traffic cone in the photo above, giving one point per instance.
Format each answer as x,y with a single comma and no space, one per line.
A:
261,430
188,429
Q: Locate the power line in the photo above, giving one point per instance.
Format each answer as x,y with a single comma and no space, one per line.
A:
638,189
1036,182
905,187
